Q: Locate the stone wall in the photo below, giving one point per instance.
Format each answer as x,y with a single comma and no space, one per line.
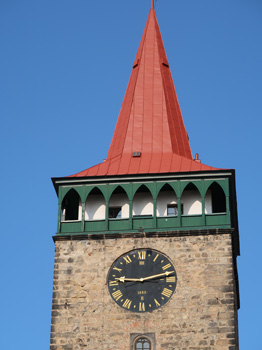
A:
200,314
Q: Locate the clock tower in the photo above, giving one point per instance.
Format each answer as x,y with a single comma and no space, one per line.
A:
147,241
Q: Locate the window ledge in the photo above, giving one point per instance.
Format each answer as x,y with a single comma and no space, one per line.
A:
65,221
215,214
142,216
118,219
191,215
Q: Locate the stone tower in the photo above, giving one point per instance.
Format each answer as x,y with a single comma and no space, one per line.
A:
147,241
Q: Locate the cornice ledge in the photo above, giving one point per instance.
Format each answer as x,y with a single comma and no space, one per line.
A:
117,235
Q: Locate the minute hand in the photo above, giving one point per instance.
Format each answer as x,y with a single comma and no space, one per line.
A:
159,275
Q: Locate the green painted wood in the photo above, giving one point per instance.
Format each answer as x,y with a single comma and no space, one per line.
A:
65,190
168,222
198,184
160,185
177,188
179,211
217,219
154,187
181,222
67,227
228,209
223,184
89,188
118,224
60,195
203,211
191,221
107,215
145,230
126,187
59,219
150,187
143,222
154,212
83,217
95,225
81,191
173,185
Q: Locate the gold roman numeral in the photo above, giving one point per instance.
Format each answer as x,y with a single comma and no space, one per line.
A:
156,302
127,304
113,283
167,292
141,255
117,294
166,266
171,279
127,259
141,306
156,257
115,268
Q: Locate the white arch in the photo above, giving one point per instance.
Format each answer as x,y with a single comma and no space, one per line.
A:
95,208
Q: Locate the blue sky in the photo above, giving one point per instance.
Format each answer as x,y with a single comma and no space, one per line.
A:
64,68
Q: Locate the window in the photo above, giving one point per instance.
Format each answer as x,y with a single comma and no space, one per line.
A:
172,210
142,344
71,206
140,341
215,200
115,212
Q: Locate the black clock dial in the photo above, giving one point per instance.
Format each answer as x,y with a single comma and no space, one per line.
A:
142,280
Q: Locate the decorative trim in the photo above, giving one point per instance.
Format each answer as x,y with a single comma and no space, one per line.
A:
81,180
142,234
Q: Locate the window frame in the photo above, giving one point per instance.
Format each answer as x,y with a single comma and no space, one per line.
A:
134,338
175,206
139,339
119,208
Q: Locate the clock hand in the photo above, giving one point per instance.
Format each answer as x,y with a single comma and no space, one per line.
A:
167,273
123,279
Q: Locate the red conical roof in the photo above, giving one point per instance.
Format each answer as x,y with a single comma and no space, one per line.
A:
150,136
150,119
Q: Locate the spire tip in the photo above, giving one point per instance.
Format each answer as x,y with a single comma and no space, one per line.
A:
152,4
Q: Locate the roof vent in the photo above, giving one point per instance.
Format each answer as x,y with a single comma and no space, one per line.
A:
136,154
197,158
136,63
165,63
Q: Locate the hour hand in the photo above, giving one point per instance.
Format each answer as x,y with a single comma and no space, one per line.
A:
123,279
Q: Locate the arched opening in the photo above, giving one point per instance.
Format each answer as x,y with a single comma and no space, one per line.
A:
118,204
71,206
142,343
215,200
95,205
191,200
167,202
143,202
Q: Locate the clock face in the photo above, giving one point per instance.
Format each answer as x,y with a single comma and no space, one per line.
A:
142,280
